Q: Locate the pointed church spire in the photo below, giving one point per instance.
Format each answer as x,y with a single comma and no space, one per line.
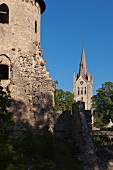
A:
83,67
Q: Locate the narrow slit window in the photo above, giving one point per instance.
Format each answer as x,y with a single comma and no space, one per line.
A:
78,90
4,14
85,90
4,72
35,26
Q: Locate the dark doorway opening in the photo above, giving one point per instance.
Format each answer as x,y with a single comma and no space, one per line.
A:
4,72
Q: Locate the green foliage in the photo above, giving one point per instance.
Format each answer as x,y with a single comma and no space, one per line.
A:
67,152
102,104
6,117
6,130
29,151
44,152
63,100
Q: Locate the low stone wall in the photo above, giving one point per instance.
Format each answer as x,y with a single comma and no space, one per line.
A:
82,135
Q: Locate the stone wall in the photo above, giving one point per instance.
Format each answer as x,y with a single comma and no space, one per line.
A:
30,84
63,128
20,32
82,135
76,126
32,89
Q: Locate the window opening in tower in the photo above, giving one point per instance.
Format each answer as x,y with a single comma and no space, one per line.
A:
85,90
4,14
35,26
81,90
78,90
4,72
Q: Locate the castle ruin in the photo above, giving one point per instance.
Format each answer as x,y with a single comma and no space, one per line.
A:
22,68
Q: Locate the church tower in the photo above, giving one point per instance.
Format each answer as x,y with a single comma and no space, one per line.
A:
82,83
22,68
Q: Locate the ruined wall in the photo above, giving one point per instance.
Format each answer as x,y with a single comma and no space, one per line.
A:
30,84
63,122
82,135
76,126
20,32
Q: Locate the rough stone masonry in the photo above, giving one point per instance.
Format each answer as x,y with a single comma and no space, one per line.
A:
22,67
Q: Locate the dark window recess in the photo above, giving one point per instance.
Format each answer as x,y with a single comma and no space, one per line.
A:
81,98
35,26
78,90
85,91
81,90
4,14
4,72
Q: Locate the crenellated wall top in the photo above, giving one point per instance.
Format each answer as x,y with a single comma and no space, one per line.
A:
40,2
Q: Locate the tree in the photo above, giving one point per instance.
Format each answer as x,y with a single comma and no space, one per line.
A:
102,104
6,130
63,100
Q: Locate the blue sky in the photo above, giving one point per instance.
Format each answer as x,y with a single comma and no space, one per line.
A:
64,26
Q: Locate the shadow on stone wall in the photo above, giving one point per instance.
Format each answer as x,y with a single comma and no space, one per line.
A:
43,111
18,108
93,157
105,153
82,135
63,128
37,113
77,127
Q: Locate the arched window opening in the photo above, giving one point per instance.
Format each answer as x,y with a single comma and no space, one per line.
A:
81,90
4,14
85,90
4,72
78,90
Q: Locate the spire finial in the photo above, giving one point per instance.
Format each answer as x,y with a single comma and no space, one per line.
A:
83,44
83,67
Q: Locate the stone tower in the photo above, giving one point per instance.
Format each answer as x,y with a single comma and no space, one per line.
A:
82,83
22,67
